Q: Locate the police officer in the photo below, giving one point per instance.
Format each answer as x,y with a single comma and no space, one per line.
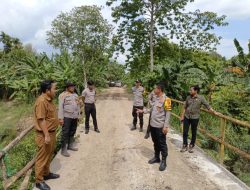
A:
46,123
138,104
89,101
69,112
191,115
159,124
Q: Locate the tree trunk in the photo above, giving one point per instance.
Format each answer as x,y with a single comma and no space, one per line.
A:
85,78
84,73
152,38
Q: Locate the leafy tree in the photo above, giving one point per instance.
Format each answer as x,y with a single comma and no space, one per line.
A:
9,42
141,21
84,32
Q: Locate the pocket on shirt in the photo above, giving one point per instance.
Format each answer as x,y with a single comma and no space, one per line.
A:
51,112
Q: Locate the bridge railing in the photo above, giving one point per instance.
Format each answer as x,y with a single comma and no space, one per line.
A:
219,123
26,171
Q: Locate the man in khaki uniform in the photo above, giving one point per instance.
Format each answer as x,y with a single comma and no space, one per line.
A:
46,123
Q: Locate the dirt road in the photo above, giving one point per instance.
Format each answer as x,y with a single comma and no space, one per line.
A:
116,159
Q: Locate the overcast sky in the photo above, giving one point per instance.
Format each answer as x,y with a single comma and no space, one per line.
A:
29,20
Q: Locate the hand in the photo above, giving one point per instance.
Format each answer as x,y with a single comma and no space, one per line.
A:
61,122
47,139
165,130
139,111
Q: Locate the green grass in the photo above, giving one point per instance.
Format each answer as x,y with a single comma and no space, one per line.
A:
10,115
239,167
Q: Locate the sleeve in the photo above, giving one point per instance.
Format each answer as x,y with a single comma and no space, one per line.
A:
60,109
185,103
78,106
133,89
150,99
142,90
205,103
84,93
167,119
41,110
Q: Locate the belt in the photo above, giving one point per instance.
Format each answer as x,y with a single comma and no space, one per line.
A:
89,103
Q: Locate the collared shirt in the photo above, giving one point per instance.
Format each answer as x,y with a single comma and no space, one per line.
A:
159,116
193,105
69,105
89,96
138,95
45,109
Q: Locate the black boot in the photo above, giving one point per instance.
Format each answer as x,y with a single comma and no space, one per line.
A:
97,130
163,164
146,135
155,159
141,129
86,131
133,128
64,151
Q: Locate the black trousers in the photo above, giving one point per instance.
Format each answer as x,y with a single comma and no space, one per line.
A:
159,140
135,115
68,130
194,124
90,109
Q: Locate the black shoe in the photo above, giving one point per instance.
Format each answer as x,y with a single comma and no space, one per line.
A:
146,136
51,176
163,164
42,186
141,129
184,148
154,160
97,130
133,128
86,131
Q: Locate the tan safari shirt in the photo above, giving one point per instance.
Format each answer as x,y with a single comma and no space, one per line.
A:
45,109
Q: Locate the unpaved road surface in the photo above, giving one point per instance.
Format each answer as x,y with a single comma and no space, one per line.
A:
116,159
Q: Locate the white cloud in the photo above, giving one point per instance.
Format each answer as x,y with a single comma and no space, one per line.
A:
30,19
233,9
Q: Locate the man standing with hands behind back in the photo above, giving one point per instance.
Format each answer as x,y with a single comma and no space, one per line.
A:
138,104
89,100
46,123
